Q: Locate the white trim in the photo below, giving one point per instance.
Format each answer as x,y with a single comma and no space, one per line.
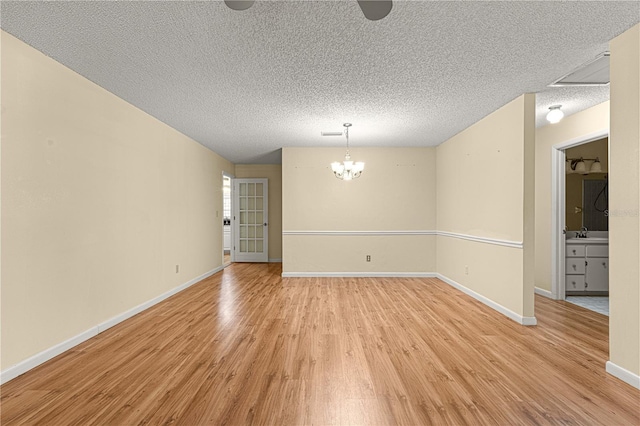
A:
490,303
359,233
275,260
494,241
232,254
149,303
360,274
543,292
486,240
581,140
558,207
238,255
623,374
39,358
507,312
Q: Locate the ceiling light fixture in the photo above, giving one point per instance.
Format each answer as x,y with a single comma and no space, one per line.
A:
347,170
373,10
239,4
555,114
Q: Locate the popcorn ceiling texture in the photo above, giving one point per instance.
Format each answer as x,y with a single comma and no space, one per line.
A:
247,83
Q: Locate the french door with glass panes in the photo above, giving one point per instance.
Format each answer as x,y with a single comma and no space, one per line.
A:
251,222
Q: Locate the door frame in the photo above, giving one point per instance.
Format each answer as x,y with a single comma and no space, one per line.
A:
231,177
236,223
558,207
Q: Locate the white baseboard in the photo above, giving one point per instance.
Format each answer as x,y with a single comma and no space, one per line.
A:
623,374
360,274
39,358
543,292
275,260
490,303
507,312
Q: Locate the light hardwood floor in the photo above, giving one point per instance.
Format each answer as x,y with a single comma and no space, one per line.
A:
248,347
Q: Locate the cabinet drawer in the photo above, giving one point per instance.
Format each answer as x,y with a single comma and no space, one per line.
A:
574,283
598,251
575,250
574,265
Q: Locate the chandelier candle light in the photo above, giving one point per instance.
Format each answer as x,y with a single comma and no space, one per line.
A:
347,170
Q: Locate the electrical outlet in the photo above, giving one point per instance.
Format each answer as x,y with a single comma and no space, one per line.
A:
177,268
466,269
368,258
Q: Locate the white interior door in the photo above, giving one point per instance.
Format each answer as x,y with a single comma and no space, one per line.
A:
250,220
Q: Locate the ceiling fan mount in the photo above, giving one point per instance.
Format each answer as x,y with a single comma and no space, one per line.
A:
373,10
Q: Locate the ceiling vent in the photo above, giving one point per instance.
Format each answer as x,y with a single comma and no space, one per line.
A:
593,73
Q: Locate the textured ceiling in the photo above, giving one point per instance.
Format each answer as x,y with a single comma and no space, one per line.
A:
247,83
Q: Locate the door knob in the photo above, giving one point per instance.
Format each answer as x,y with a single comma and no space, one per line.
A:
265,224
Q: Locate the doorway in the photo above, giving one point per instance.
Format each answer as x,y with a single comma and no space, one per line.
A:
576,253
250,220
227,210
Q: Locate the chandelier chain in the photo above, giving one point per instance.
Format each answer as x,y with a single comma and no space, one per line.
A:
346,132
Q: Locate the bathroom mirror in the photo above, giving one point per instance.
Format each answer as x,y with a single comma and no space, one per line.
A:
595,196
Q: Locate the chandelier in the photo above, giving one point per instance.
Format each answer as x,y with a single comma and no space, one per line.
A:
348,169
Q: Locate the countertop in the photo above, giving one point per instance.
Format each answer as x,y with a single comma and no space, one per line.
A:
588,240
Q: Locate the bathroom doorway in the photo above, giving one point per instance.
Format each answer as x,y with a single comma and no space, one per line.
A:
580,264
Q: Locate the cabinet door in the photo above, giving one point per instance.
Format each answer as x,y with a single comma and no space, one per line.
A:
597,275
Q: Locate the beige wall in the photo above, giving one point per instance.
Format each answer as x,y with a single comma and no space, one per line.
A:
485,189
595,149
100,201
395,193
624,202
273,172
573,127
479,183
573,194
395,254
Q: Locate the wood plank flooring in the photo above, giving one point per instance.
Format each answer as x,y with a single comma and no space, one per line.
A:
248,347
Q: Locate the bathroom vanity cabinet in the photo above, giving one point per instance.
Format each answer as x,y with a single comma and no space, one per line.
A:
587,266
